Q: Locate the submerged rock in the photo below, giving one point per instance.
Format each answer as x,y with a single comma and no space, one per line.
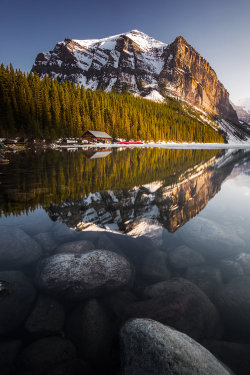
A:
207,278
180,304
17,248
90,329
62,233
16,304
150,348
47,352
230,269
117,302
233,301
211,239
78,276
46,240
184,257
8,352
46,318
154,267
76,247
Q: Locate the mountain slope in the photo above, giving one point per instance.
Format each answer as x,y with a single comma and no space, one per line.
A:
141,65
242,107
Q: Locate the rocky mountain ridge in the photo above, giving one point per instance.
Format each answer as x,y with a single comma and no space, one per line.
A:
136,63
242,112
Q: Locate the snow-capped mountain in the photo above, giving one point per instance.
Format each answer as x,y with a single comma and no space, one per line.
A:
141,65
242,107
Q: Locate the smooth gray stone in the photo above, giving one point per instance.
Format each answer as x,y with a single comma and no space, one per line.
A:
78,276
150,348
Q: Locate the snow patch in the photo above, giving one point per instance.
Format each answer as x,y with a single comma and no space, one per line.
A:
155,96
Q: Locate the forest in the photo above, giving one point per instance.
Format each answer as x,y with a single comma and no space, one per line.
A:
43,108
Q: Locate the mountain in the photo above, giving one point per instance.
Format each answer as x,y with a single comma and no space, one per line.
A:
242,107
135,62
245,103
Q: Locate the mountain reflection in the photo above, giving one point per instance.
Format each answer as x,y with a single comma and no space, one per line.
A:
120,190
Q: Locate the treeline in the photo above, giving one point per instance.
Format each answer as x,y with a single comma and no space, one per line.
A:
30,106
42,178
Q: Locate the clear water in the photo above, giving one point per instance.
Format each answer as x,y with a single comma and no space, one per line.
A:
142,203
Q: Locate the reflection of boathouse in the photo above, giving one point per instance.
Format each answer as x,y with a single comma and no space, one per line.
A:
96,136
97,153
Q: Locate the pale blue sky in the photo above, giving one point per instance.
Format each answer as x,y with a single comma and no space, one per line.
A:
218,30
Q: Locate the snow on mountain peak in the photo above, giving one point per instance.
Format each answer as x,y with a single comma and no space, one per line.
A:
143,40
136,63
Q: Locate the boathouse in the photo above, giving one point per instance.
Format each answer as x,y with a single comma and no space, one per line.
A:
96,136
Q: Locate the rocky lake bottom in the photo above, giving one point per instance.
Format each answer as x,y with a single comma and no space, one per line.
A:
125,262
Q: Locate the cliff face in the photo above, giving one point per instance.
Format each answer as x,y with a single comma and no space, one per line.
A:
192,78
139,64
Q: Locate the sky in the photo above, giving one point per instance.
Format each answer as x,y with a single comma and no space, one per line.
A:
218,29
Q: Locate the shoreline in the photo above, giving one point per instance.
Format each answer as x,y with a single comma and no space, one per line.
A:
165,145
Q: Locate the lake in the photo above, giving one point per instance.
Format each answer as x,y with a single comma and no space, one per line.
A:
90,238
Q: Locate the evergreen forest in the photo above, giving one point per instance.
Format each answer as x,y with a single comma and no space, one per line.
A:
43,108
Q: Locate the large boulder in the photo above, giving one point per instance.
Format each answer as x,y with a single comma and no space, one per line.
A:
76,247
78,276
207,278
180,304
47,241
16,302
17,248
184,257
211,239
233,301
90,329
47,352
150,348
47,317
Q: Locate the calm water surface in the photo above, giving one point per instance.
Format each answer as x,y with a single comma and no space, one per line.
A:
173,214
